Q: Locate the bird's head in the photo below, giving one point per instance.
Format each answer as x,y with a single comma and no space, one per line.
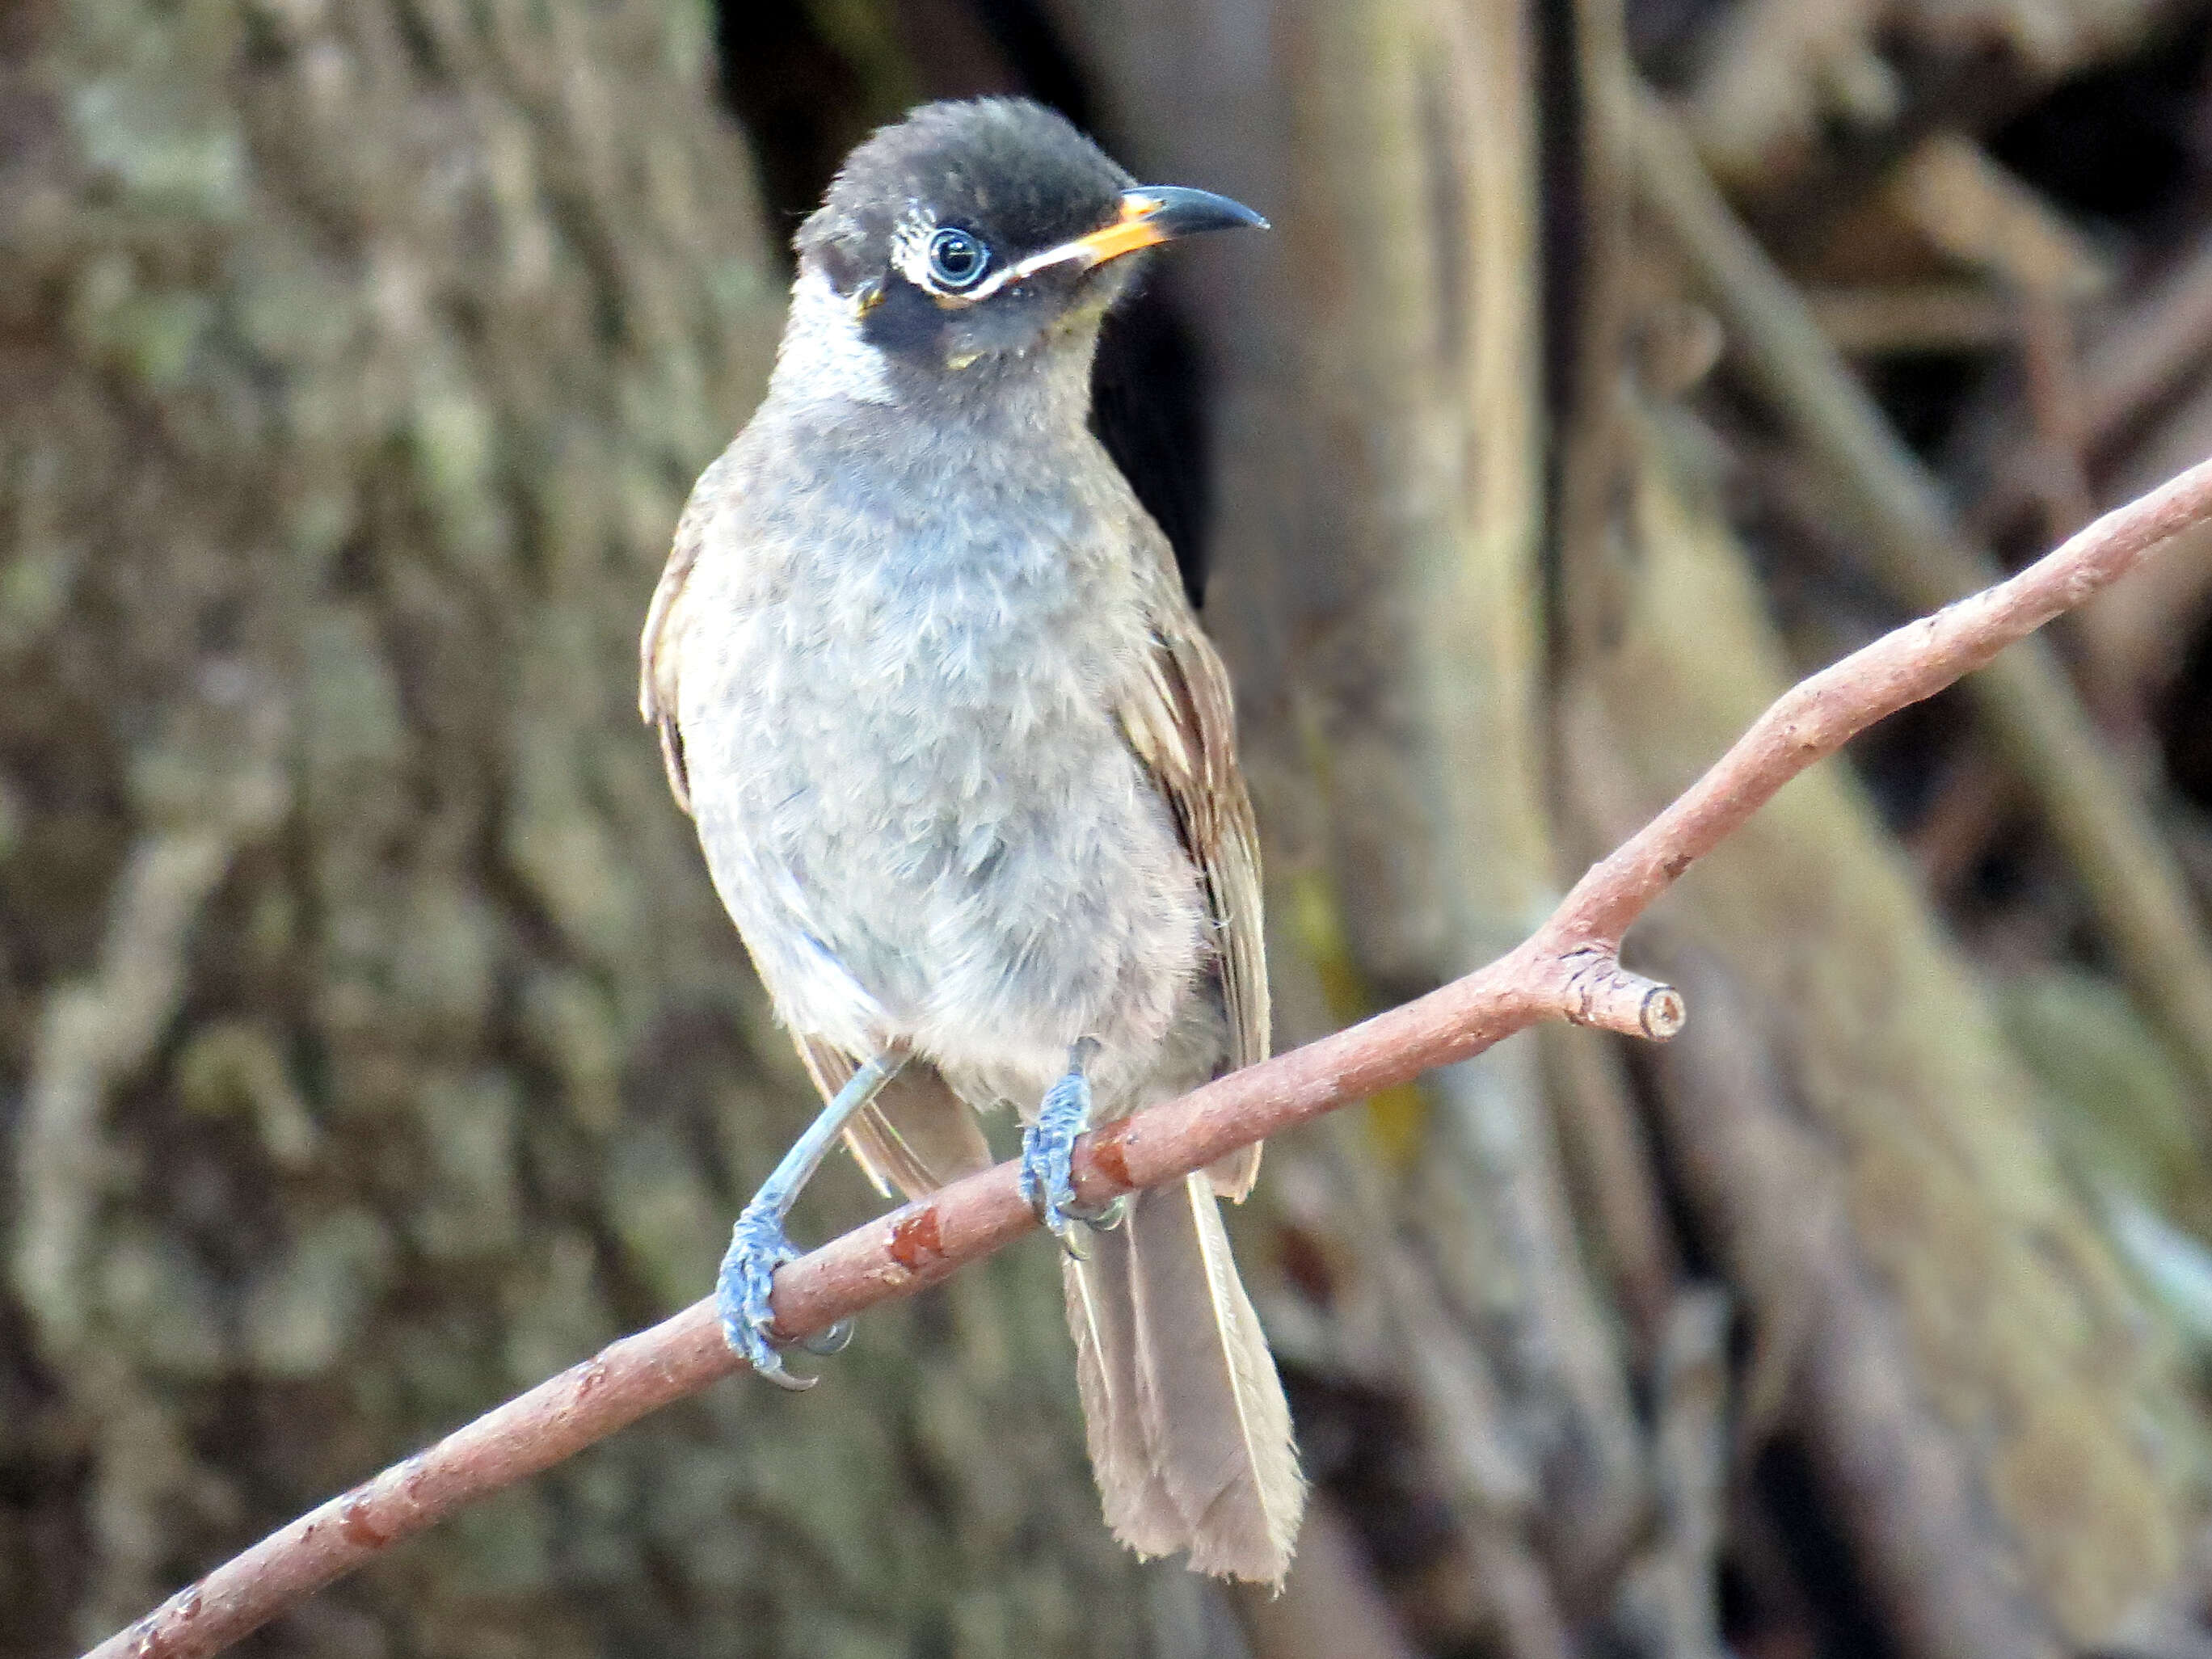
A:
973,235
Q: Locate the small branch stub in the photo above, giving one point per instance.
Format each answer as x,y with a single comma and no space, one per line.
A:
1664,1012
1596,990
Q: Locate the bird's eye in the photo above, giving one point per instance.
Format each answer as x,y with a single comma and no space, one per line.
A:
958,259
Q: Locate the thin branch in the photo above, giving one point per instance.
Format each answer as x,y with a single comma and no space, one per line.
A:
1569,970
1910,541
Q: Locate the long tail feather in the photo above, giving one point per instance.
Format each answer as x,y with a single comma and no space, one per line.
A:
1190,1435
1101,1314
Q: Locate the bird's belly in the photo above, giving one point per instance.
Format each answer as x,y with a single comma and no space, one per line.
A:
938,850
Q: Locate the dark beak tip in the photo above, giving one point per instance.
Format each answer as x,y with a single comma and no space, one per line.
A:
1183,211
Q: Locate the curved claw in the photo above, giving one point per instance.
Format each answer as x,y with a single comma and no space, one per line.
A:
1104,1217
1049,1167
834,1340
758,1246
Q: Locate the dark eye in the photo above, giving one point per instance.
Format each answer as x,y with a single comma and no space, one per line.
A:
958,259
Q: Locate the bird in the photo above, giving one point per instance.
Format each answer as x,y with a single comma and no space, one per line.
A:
961,764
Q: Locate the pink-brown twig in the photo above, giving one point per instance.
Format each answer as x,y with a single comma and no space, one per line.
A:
1570,969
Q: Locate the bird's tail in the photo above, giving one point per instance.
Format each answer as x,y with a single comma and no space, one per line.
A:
1190,1435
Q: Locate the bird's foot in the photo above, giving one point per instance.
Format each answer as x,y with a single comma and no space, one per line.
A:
1048,1166
758,1246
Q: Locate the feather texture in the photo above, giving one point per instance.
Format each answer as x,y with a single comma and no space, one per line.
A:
1179,719
1189,1433
924,673
1100,1316
915,1136
660,645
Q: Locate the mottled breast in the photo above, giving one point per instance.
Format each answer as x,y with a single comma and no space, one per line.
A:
896,701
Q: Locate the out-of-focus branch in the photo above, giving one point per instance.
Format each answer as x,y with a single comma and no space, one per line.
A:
1569,970
1331,1607
1947,1579
1912,542
1671,1598
2137,361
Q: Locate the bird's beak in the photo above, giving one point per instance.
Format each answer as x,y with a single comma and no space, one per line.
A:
1149,215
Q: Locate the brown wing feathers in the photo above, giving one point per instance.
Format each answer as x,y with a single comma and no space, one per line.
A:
1181,722
659,650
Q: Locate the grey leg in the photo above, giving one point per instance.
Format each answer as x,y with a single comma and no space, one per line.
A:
758,1244
1048,1152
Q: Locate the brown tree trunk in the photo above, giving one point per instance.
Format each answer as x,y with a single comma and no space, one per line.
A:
373,1044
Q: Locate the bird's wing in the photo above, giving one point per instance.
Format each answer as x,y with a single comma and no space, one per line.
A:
916,1136
1179,718
659,648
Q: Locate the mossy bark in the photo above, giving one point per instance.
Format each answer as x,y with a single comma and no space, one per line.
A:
373,1045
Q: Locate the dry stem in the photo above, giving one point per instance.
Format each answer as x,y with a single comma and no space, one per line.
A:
1569,970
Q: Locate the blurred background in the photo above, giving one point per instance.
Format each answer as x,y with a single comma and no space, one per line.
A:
372,1045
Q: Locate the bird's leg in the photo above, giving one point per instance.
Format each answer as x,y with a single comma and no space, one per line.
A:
1048,1152
758,1244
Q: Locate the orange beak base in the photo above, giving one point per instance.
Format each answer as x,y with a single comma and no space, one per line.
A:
1151,214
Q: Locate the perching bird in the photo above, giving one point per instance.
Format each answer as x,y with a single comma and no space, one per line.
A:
963,767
